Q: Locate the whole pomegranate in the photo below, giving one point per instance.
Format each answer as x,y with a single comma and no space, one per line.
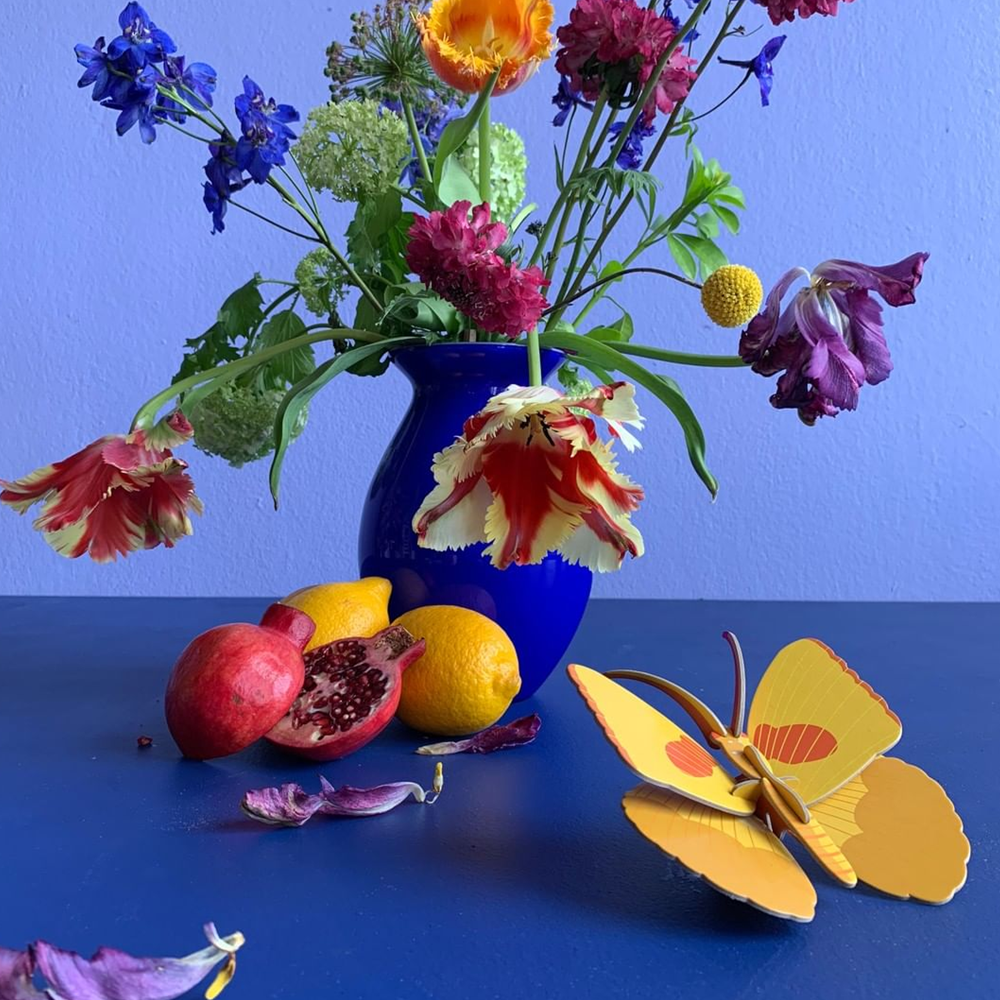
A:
234,682
350,694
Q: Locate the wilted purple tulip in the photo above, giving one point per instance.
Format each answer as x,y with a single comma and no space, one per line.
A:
828,341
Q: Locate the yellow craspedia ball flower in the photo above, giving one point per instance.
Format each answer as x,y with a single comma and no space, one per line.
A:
732,296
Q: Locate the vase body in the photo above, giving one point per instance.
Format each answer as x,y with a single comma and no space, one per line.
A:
539,607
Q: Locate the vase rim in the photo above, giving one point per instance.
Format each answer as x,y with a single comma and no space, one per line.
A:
422,363
464,345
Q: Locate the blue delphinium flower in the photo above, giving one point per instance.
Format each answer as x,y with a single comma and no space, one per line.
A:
565,100
693,34
631,156
760,66
266,135
96,69
135,100
140,42
194,84
125,75
224,178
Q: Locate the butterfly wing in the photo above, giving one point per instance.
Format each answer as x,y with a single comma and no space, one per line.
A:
815,720
655,748
737,855
899,830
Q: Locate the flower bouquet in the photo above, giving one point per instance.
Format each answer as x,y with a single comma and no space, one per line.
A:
476,287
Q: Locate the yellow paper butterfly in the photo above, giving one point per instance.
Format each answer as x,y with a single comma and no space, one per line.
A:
809,763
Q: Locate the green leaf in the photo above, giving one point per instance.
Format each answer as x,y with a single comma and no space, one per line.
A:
292,366
237,319
457,185
733,195
708,225
522,217
612,267
710,257
682,255
369,231
426,311
242,311
729,218
302,393
560,173
587,185
367,316
620,331
455,135
572,382
665,389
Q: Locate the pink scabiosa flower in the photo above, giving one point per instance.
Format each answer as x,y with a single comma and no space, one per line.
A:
530,475
785,10
458,259
828,341
119,494
614,45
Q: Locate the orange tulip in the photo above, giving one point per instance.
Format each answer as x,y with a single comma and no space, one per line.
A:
467,41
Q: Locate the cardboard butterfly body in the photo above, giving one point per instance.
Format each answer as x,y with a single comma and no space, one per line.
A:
808,763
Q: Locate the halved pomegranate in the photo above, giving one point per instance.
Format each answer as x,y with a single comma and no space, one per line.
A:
350,694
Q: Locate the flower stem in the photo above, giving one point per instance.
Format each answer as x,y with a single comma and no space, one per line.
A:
174,96
146,415
271,222
653,81
562,304
677,357
581,159
418,145
486,155
584,214
178,128
534,359
602,238
317,227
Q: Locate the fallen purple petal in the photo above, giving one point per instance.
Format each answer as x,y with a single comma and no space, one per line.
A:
16,968
115,975
513,734
291,805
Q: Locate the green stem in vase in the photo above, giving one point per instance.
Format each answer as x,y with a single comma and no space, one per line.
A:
486,155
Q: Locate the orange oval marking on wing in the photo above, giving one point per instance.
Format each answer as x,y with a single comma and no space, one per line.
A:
795,744
690,758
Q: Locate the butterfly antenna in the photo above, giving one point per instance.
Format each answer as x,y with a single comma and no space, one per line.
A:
740,693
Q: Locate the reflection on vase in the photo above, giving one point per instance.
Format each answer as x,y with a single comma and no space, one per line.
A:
539,607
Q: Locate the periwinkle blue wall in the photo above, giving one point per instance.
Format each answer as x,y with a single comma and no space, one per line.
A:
881,140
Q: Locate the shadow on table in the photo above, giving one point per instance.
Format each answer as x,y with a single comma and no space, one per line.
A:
582,867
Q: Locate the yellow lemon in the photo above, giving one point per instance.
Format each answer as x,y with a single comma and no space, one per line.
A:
344,610
465,680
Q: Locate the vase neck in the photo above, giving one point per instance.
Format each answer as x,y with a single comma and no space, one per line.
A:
472,369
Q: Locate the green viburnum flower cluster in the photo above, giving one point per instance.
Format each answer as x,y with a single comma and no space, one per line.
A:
509,172
237,422
322,282
355,149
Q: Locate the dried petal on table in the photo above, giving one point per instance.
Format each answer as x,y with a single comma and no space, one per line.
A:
16,969
513,734
112,974
291,805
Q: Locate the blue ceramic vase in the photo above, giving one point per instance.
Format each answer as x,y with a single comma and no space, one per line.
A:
539,607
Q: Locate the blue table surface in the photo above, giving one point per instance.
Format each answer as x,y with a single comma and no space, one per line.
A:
524,880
